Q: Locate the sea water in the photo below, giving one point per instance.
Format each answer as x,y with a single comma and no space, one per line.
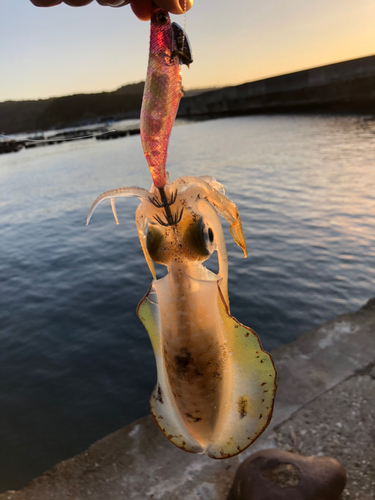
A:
75,361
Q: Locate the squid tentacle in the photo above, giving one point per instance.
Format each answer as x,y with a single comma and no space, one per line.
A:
113,206
117,193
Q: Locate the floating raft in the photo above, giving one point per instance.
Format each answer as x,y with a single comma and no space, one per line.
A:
115,134
101,134
10,146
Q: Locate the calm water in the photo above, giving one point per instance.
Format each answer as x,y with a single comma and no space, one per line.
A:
75,362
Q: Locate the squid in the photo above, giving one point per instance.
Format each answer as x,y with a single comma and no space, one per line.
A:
215,384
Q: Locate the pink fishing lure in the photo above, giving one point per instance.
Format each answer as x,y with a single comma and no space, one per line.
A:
162,94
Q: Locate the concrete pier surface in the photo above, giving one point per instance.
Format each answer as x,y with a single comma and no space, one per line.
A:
347,86
325,405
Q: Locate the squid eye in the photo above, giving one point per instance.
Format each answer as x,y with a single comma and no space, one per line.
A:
162,18
199,239
154,240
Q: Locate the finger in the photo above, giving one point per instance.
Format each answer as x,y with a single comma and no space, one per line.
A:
77,3
46,3
142,9
175,6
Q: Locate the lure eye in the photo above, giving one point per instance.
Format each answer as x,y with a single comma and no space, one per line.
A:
162,18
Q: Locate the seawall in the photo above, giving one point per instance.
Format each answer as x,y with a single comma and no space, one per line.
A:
347,86
325,405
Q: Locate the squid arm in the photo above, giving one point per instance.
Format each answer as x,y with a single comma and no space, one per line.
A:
215,192
124,192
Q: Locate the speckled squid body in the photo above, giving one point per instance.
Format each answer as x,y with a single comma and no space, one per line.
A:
216,385
162,94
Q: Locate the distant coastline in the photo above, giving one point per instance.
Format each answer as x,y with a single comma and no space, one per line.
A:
70,111
347,86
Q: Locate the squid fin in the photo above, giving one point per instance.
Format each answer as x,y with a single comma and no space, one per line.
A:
253,388
161,405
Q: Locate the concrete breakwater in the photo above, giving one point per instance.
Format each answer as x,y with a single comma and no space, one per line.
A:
347,86
325,405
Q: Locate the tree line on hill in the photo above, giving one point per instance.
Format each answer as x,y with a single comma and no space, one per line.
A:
67,111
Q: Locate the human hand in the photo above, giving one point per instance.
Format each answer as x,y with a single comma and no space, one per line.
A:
141,8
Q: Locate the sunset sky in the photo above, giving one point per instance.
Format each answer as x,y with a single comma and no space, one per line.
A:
63,50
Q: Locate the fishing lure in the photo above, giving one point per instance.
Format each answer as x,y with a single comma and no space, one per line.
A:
169,48
216,385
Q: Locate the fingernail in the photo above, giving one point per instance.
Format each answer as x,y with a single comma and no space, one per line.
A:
121,3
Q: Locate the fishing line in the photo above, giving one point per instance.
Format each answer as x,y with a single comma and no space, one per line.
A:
184,28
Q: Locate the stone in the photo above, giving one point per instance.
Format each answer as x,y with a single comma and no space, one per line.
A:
280,475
